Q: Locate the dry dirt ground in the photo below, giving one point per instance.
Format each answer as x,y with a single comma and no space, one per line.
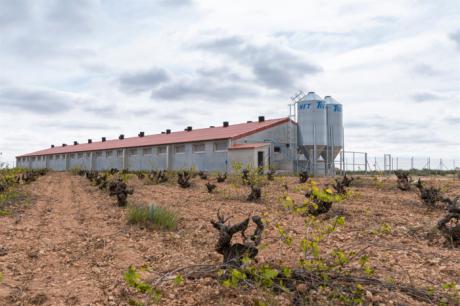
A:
73,244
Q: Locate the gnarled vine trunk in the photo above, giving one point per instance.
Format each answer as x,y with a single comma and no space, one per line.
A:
234,253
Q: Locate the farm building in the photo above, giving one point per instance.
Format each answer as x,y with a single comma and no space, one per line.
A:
310,138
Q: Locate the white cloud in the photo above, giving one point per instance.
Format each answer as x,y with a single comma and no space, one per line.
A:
90,68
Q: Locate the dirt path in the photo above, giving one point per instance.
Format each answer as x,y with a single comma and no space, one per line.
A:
71,248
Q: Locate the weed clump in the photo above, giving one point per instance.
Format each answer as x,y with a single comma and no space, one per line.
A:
153,217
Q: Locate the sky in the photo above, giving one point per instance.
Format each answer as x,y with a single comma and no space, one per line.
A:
78,69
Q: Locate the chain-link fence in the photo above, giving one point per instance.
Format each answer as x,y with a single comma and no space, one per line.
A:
349,161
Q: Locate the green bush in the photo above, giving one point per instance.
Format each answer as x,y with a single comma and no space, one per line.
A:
152,217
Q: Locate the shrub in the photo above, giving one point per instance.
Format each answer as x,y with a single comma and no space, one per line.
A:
121,190
203,175
221,177
270,174
303,177
210,187
152,217
404,180
429,195
183,179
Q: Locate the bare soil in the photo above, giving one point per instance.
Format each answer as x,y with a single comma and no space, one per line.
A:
73,244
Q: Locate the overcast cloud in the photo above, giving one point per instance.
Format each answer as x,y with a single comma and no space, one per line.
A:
73,70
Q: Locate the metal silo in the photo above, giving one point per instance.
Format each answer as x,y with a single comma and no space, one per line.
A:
312,128
335,138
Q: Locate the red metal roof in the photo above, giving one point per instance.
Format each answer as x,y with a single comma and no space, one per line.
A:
242,146
234,131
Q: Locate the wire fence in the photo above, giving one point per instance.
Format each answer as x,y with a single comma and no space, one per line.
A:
349,161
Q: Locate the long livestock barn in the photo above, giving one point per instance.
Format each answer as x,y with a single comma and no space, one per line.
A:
309,139
265,143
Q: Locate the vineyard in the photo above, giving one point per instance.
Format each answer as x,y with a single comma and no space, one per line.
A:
247,238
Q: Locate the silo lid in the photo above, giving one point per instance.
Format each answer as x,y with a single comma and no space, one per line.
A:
330,100
312,96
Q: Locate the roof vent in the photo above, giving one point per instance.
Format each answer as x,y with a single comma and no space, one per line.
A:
212,126
103,139
141,134
249,121
52,146
121,137
225,123
261,118
189,129
163,133
168,131
64,144
75,143
90,141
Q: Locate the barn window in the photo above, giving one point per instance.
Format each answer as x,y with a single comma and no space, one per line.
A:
88,154
99,154
277,149
80,155
162,150
119,153
50,157
220,146
147,151
33,158
179,149
132,152
108,153
199,148
72,155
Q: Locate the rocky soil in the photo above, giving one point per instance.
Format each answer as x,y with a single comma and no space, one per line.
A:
73,244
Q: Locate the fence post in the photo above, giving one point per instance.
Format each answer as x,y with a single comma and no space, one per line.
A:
365,162
353,161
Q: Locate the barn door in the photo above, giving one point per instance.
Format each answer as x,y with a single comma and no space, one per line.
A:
260,159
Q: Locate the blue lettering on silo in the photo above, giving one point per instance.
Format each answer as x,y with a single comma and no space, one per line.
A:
319,105
304,106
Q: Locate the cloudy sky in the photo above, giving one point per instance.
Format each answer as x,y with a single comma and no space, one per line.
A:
78,69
